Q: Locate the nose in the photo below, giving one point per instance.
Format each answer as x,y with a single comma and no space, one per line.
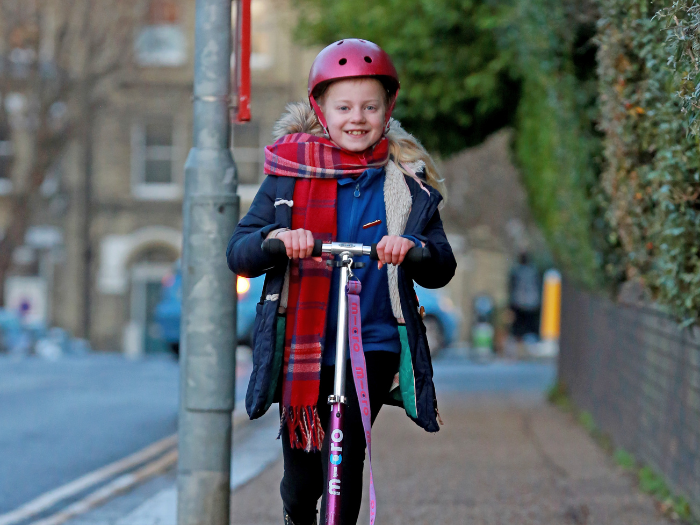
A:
358,115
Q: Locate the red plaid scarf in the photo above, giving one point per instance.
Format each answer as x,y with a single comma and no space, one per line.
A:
317,162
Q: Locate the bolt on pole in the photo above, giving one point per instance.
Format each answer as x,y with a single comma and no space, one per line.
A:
208,331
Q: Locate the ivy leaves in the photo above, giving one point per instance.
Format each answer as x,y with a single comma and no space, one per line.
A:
651,185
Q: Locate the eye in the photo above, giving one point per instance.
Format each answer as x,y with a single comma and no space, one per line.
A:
371,107
343,108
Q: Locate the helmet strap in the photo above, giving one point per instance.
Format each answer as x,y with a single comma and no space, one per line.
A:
319,116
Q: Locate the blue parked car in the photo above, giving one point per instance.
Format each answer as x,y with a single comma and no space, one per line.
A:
441,316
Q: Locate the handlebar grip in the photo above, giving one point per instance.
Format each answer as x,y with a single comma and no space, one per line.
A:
416,254
276,248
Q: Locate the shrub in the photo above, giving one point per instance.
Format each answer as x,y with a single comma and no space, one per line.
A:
651,181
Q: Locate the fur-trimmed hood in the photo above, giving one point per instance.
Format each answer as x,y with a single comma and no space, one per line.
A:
298,117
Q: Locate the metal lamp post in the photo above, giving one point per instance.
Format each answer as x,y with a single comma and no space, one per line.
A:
208,333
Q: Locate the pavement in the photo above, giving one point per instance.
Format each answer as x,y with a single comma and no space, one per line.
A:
503,456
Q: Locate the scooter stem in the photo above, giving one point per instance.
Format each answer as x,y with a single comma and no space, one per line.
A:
342,333
337,402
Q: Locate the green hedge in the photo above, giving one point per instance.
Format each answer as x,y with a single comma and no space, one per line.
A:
652,179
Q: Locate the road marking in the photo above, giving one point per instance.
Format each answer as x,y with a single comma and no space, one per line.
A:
72,488
254,450
119,485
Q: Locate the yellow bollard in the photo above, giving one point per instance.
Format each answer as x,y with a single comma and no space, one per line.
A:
550,321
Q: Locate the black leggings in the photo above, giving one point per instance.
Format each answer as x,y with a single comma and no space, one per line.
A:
305,473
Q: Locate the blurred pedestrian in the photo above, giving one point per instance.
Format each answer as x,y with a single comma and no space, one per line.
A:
342,170
524,297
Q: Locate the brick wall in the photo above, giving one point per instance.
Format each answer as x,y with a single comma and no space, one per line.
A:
638,374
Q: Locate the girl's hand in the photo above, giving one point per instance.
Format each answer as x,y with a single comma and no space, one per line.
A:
299,243
392,249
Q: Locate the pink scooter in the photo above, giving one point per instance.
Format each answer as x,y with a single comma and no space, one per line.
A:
349,330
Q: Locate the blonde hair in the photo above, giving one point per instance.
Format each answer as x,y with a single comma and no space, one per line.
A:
404,148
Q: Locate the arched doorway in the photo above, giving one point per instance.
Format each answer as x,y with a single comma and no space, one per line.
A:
132,267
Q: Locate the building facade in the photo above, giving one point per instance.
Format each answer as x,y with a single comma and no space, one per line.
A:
115,229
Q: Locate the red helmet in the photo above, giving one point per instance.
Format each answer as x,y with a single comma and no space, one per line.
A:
351,58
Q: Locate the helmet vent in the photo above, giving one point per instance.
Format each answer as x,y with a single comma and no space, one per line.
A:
343,61
368,60
340,42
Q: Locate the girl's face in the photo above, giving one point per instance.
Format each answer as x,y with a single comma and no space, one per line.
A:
355,111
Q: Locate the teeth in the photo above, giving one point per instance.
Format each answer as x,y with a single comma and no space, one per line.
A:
356,132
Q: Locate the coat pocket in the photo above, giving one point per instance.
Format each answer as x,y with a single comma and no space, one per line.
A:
274,390
263,352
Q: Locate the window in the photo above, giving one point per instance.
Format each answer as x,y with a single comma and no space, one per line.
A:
153,161
6,155
261,55
247,152
161,42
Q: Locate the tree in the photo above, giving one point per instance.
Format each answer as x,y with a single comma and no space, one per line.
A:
457,85
470,67
58,61
556,144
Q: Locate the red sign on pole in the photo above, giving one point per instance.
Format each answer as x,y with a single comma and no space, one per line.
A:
241,80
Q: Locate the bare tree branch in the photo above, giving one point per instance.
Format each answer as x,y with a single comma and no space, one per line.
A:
91,43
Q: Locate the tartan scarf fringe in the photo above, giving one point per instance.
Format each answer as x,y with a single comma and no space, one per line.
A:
304,426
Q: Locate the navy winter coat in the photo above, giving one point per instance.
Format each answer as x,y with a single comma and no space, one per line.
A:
245,257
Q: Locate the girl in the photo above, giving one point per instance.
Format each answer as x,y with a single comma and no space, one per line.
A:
340,169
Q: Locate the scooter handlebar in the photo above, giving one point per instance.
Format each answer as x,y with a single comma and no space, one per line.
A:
276,248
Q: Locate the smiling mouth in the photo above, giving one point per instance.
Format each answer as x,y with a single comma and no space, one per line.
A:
356,133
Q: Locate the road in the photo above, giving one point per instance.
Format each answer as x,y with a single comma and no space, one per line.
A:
455,374
65,418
